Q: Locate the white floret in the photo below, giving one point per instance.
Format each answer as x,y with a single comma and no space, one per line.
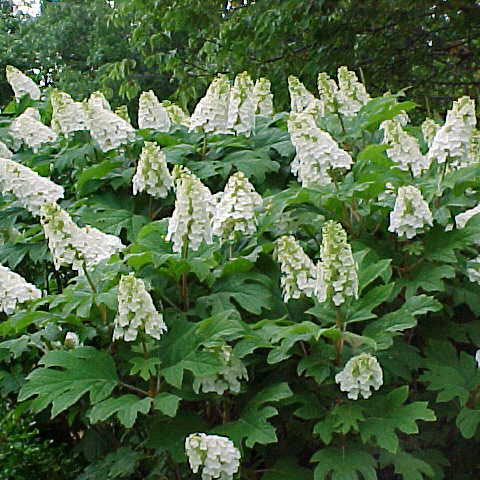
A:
27,128
21,84
241,106
15,290
262,97
67,115
300,97
151,113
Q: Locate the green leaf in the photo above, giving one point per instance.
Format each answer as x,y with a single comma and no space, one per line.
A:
407,465
429,278
369,273
342,419
127,407
88,180
286,469
167,403
79,371
361,309
467,422
146,367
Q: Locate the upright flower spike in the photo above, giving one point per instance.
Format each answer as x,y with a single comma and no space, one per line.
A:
351,95
411,214
229,377
27,128
299,273
67,115
403,149
241,106
15,290
217,456
151,113
135,310
339,268
122,112
300,97
211,112
5,151
236,209
263,98
98,100
152,175
429,130
361,373
190,223
452,141
30,189
176,115
317,152
21,84
328,90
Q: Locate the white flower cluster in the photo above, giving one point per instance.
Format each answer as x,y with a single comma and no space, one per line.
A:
71,340
452,141
27,128
151,113
339,268
211,112
299,273
72,245
410,214
228,378
152,175
404,149
98,100
217,455
300,97
176,114
241,106
352,95
473,270
135,310
190,222
262,97
21,84
328,90
317,152
429,130
361,373
5,152
122,112
30,189
236,208
15,290
67,115
462,218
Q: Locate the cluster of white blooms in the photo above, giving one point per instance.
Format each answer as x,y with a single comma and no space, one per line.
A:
27,128
176,114
452,141
21,84
236,208
122,112
71,340
473,270
211,112
72,245
217,455
429,130
152,175
462,218
300,97
241,106
151,114
190,222
477,358
317,152
135,310
97,99
5,152
328,90
404,149
410,214
15,290
228,378
339,268
67,115
30,189
361,373
299,273
262,97
351,95
107,128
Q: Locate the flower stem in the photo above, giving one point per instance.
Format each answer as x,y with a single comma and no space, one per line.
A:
340,341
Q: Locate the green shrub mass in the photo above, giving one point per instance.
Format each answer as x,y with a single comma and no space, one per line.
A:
237,360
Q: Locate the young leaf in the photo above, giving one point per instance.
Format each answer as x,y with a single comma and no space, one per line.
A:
167,403
407,465
467,421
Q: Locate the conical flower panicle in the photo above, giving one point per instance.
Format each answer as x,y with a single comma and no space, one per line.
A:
404,149
176,114
351,95
190,223
98,100
217,456
136,310
317,152
152,175
67,115
429,130
151,113
28,129
339,268
328,90
15,290
411,214
360,374
30,189
263,98
236,208
21,84
211,112
241,106
452,141
5,151
300,97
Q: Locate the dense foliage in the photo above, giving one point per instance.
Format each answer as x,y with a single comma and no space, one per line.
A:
305,292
